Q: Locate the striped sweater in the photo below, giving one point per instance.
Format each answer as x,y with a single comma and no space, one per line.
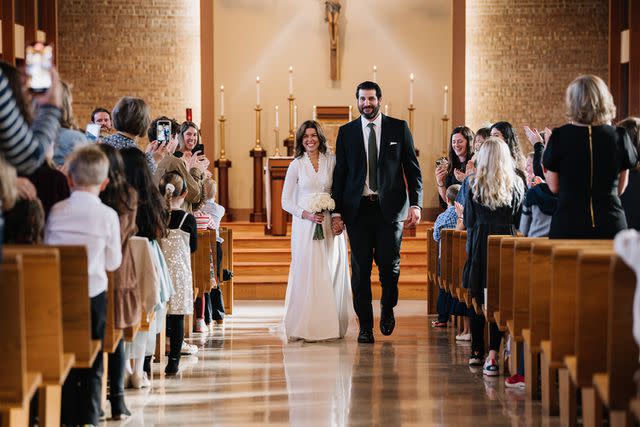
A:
21,146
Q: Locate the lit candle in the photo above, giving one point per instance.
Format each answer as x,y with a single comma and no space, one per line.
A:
386,109
411,89
277,118
315,113
221,101
258,90
446,92
350,112
295,116
291,80
375,72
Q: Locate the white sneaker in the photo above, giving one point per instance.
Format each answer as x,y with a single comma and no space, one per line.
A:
491,368
140,380
463,337
188,349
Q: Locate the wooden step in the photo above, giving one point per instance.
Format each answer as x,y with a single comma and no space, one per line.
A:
275,287
284,255
252,268
284,242
259,227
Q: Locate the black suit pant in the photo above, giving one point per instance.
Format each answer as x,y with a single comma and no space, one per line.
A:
372,238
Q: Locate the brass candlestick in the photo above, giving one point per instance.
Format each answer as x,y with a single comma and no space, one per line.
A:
291,134
258,109
222,154
445,134
411,110
277,150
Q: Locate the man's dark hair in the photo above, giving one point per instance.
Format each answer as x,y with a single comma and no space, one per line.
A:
367,86
99,110
152,132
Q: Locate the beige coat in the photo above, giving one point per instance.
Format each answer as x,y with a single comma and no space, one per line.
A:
171,163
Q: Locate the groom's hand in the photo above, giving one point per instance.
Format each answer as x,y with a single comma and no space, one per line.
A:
413,218
337,226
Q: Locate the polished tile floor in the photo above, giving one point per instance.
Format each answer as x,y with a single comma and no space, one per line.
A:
247,375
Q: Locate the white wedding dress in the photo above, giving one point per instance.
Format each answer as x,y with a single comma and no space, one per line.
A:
318,300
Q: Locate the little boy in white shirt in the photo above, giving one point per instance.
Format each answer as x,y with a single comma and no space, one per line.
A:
83,219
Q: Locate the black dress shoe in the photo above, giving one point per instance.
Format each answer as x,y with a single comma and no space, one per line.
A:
366,336
387,322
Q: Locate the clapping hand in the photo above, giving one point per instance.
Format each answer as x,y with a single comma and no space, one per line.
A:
459,209
460,175
533,135
157,150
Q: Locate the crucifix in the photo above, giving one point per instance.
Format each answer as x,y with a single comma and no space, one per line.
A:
332,12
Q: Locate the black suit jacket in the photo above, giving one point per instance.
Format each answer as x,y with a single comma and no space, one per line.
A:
396,161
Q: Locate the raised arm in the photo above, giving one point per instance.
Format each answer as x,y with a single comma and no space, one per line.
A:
25,147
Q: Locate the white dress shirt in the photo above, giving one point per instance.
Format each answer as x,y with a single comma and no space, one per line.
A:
377,122
84,220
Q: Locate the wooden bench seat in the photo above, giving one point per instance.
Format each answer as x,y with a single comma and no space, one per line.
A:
432,273
18,384
227,263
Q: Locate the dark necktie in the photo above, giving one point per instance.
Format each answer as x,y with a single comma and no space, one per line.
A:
373,158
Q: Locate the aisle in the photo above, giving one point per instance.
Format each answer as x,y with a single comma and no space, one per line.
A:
246,375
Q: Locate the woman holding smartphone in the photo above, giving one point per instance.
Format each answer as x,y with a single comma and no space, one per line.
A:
452,170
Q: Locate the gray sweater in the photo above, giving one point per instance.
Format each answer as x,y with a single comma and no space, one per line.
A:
534,223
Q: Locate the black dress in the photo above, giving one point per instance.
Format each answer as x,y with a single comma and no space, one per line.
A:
481,222
588,202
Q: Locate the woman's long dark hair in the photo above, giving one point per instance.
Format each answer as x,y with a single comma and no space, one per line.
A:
118,194
511,138
152,217
631,125
454,161
310,124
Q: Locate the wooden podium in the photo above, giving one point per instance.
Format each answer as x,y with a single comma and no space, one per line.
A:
277,171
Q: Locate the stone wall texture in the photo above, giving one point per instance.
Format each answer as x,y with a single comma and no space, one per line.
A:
112,48
522,54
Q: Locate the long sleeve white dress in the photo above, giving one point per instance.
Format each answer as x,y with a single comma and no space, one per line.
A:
318,299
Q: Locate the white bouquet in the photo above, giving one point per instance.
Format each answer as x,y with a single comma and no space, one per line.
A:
319,202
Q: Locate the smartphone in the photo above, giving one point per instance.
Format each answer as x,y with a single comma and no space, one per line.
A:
198,147
38,61
163,132
441,161
93,132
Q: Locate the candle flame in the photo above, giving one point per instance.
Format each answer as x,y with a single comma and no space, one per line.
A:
446,88
411,76
291,68
276,108
375,68
258,79
222,88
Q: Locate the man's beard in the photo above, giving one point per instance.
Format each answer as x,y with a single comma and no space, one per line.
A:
372,115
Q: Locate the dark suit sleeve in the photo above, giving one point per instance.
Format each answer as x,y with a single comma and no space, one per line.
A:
411,168
339,172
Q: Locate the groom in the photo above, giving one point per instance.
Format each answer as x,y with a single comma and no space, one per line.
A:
377,186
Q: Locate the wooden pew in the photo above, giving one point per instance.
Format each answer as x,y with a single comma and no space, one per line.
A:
558,293
463,293
432,272
112,335
493,278
76,309
446,252
227,263
18,384
454,273
615,386
505,283
44,328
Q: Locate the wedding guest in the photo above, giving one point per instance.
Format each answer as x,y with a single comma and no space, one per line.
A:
446,219
69,136
102,116
50,184
122,198
177,248
25,223
83,219
587,164
453,170
481,135
174,164
492,206
631,197
506,132
151,220
189,140
131,120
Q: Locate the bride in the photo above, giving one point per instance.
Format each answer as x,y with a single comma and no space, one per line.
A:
318,296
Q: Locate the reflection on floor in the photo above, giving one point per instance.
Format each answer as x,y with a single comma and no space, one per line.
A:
247,375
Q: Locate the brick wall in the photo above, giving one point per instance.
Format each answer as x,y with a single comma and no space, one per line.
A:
522,54
112,48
